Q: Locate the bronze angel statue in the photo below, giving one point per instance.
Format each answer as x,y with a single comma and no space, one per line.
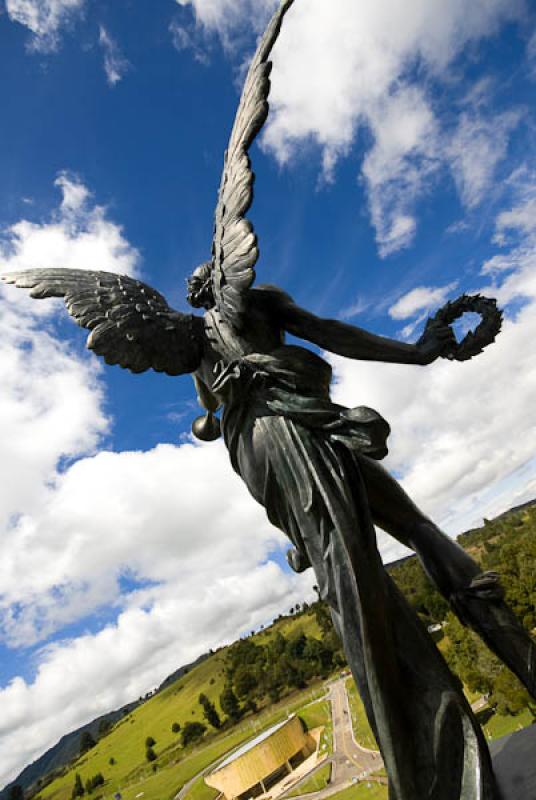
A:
315,466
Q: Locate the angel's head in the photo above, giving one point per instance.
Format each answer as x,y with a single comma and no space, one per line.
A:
200,287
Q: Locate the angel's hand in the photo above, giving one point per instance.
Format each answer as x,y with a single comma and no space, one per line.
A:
437,341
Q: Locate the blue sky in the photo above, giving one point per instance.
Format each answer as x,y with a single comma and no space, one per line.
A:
396,171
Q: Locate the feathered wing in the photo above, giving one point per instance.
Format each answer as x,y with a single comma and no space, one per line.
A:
131,324
234,248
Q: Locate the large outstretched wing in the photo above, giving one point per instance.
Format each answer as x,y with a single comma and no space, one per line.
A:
234,248
131,324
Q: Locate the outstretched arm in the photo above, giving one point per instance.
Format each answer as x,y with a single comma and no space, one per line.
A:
353,342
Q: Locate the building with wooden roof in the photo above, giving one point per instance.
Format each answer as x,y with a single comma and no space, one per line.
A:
264,761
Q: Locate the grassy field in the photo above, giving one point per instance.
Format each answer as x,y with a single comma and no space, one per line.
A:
362,732
362,791
126,743
131,774
497,725
494,725
318,781
290,626
316,715
200,791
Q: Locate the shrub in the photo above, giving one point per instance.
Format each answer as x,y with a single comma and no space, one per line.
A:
78,789
191,732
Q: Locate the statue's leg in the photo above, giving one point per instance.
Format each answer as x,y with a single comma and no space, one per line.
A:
474,596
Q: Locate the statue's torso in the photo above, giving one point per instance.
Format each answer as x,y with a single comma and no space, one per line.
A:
261,346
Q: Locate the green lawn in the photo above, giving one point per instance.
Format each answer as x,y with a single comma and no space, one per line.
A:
362,731
132,774
362,791
319,715
498,725
200,791
315,783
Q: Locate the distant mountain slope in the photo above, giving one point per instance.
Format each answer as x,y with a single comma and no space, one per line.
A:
176,699
205,674
65,750
68,746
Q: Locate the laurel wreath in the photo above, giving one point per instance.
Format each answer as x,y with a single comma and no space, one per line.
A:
483,335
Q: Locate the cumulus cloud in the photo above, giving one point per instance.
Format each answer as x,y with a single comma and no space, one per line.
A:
168,538
463,433
115,64
79,236
51,399
342,67
45,19
177,517
422,298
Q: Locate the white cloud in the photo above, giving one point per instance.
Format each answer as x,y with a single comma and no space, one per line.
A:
396,169
422,298
176,516
356,308
516,228
176,521
167,525
479,144
51,399
125,660
229,18
463,433
45,19
185,38
79,236
115,64
343,67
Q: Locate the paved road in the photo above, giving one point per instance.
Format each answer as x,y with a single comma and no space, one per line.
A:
349,759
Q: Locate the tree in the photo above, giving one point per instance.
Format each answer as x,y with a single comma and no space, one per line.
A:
244,680
105,726
509,697
86,742
191,732
150,754
150,742
209,712
229,703
175,728
78,789
94,782
16,792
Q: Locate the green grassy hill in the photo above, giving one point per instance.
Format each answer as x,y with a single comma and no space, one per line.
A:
120,756
506,544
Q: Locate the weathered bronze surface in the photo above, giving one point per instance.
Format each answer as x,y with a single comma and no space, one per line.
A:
315,467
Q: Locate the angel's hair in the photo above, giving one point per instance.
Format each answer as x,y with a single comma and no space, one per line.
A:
200,287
